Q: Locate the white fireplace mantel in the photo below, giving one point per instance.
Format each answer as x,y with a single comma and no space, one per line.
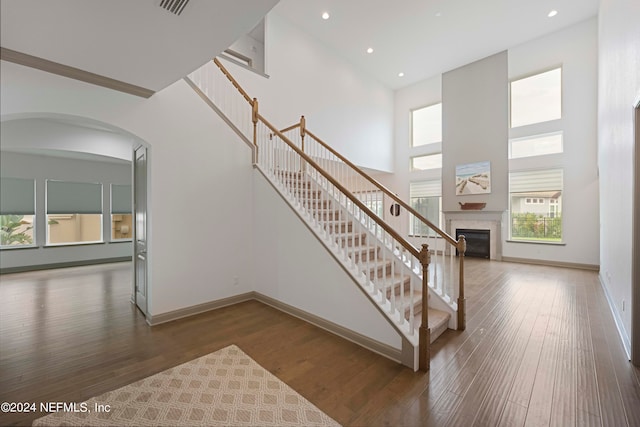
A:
478,220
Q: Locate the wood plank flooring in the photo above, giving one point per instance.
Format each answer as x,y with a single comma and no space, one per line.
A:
540,349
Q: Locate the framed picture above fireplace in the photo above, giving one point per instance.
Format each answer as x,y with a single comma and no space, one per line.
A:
473,178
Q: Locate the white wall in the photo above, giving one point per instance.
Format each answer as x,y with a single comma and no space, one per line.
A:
618,89
293,267
41,168
198,169
344,107
575,49
36,134
426,92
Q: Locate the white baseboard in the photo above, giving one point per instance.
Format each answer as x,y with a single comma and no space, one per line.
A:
363,341
624,336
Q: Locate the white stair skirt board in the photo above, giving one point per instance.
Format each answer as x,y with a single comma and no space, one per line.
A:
352,248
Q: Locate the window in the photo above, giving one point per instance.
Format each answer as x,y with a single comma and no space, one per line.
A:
17,212
74,212
536,205
537,145
537,98
425,198
426,125
432,161
121,217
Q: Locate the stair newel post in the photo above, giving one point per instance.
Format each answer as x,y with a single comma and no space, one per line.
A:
425,332
462,309
254,119
303,132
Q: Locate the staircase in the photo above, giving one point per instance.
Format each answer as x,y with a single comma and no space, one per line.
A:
382,273
340,204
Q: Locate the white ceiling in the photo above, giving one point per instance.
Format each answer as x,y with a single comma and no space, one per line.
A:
142,44
136,42
408,37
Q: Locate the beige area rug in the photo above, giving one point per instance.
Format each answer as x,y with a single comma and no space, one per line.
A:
225,388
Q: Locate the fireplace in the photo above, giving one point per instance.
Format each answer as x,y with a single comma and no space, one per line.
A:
478,242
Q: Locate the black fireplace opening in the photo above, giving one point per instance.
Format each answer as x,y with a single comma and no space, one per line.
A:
478,242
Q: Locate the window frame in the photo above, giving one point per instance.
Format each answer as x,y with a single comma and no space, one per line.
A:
532,74
71,214
543,205
438,223
411,125
33,215
414,169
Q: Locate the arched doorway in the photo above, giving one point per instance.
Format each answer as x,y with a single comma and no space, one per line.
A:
76,143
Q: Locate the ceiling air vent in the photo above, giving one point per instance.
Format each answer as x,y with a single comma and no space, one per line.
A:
174,6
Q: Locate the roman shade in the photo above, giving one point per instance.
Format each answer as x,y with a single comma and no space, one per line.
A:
120,199
17,196
537,180
432,188
73,197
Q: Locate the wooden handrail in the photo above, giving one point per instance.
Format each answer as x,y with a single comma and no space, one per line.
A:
290,128
233,81
385,190
398,200
408,246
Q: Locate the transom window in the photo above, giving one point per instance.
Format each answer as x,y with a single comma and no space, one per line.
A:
431,161
536,145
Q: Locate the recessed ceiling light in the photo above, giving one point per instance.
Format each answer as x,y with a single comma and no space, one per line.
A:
370,50
400,74
325,15
438,14
552,13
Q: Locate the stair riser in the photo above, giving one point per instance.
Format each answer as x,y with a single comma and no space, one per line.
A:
328,215
380,271
397,287
307,195
417,309
317,204
365,256
351,240
340,228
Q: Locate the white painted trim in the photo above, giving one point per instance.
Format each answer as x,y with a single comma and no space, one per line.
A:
635,230
170,316
356,338
624,337
593,267
370,344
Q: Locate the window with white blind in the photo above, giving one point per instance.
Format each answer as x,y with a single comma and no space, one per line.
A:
17,212
536,205
426,198
74,212
121,212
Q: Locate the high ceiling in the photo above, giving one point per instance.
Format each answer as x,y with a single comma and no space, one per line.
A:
422,38
135,42
139,43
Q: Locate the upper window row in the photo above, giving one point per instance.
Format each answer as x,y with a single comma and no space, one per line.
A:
537,98
534,99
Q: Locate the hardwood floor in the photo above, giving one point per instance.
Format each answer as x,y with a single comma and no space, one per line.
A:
540,348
